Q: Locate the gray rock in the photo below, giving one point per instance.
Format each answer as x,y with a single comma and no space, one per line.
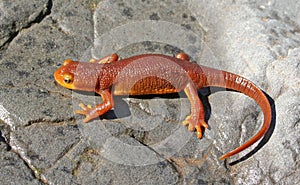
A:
15,17
143,141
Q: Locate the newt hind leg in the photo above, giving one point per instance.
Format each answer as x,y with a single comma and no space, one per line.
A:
182,56
196,119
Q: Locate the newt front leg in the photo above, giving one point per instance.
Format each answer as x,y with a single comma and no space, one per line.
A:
105,60
92,113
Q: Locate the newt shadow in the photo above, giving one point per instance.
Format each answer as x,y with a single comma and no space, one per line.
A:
121,110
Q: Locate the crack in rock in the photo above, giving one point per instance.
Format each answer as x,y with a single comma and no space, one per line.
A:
38,19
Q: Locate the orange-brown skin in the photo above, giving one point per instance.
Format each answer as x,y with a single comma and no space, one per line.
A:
156,74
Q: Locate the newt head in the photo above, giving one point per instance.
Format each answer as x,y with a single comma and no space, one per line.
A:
64,75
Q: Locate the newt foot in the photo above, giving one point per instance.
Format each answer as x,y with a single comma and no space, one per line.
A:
88,111
195,123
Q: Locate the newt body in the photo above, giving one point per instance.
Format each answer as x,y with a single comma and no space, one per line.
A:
156,74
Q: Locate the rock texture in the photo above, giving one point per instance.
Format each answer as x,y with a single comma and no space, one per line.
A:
143,141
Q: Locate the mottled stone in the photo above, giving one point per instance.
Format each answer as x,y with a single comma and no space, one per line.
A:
142,141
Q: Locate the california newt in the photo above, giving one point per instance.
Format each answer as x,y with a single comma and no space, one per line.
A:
148,74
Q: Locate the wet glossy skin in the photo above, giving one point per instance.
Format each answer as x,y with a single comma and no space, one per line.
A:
156,74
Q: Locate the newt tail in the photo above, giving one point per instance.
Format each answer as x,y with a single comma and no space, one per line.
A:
235,82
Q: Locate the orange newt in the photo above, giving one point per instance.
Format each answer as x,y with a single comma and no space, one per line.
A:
150,74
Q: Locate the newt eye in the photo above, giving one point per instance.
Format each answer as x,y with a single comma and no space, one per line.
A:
68,78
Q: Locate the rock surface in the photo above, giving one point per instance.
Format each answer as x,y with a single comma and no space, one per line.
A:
143,140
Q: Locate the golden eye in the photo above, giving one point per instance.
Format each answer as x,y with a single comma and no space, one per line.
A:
68,78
